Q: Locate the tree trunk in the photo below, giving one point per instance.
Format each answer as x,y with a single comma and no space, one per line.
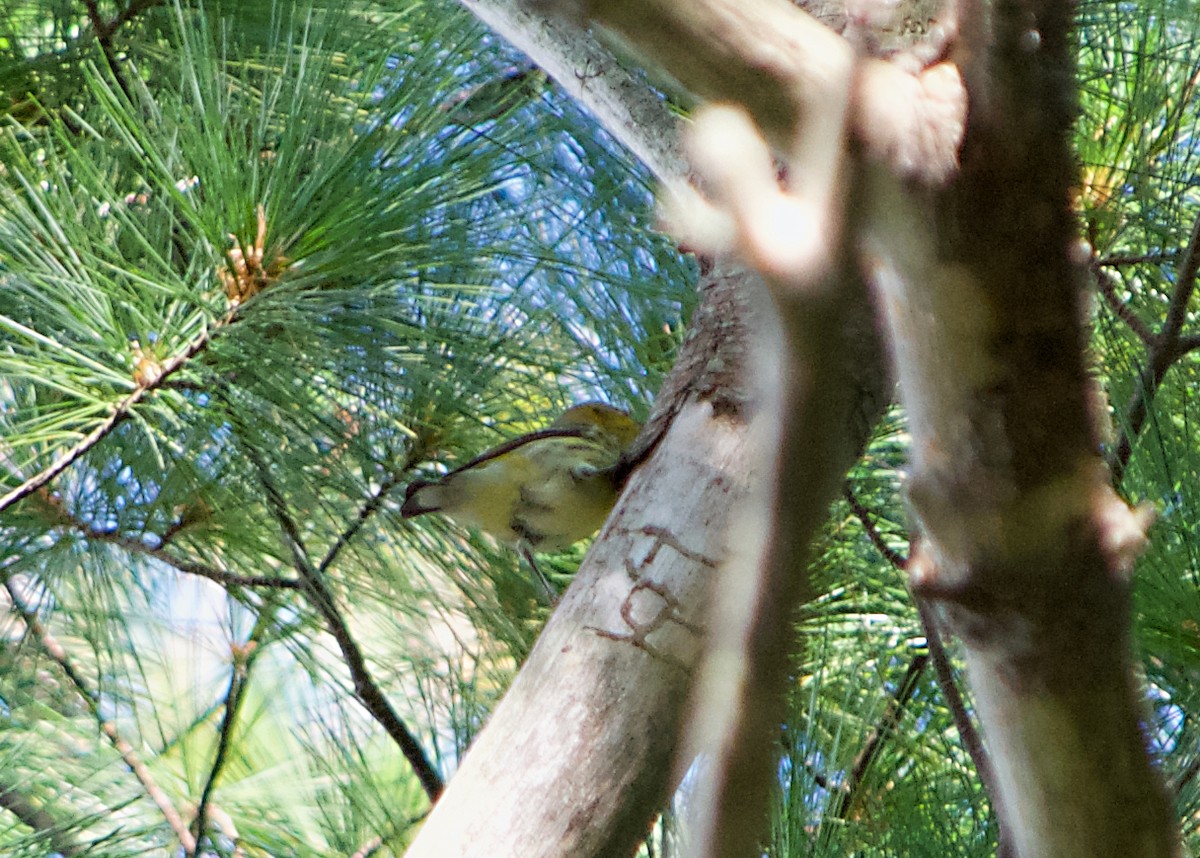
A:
977,272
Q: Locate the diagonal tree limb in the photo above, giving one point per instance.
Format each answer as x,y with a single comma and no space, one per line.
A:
1165,348
699,417
1105,283
322,598
120,411
132,759
943,671
189,567
244,656
883,730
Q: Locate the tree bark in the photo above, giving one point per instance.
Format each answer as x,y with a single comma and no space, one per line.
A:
978,272
578,758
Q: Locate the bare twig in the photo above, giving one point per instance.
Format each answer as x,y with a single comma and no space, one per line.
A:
941,666
1118,260
1187,775
883,729
120,411
954,702
372,506
59,656
1108,289
243,660
863,515
190,567
1164,349
368,693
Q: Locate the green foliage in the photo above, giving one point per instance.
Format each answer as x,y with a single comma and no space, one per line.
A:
251,277
301,250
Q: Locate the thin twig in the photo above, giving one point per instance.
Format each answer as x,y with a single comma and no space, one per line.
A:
137,546
1105,282
1117,260
119,412
243,661
1164,350
1187,775
373,504
863,515
883,729
941,666
59,656
368,693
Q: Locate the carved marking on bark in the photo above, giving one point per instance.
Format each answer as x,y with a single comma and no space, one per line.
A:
664,610
663,537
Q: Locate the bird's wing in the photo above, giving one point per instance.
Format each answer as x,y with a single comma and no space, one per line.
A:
513,444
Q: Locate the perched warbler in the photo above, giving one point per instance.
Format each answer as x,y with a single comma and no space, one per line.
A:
538,492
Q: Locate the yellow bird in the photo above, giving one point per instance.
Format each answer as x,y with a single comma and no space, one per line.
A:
543,491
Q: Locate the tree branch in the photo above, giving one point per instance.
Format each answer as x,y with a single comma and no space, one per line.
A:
189,567
120,411
372,506
944,673
40,820
104,31
1165,349
322,598
1108,290
58,655
881,732
244,657
1118,260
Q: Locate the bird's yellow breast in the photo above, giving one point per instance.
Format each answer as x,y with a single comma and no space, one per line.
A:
548,493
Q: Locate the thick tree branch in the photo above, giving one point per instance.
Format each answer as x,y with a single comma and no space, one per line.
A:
1026,549
598,704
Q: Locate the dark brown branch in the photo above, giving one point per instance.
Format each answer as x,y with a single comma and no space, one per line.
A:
954,702
372,506
225,579
880,733
1163,352
243,660
104,32
941,667
863,515
59,656
1108,290
365,689
1118,260
41,821
1187,775
1187,344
